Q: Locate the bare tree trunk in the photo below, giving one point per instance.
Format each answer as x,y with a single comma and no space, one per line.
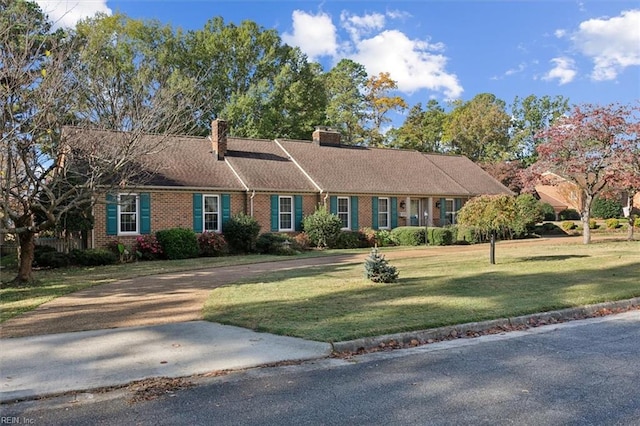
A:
27,248
492,250
585,215
630,196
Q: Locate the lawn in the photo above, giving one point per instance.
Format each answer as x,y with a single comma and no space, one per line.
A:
337,303
58,282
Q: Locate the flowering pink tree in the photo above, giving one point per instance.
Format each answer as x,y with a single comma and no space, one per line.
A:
591,148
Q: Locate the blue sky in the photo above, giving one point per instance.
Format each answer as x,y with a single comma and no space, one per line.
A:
587,51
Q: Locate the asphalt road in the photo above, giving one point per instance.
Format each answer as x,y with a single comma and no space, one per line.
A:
579,373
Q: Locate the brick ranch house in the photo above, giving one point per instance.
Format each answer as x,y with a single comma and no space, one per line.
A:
203,181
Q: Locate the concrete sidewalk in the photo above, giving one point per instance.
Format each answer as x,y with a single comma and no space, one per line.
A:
32,367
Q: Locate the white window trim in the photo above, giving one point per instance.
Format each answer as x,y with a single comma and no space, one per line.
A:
450,214
291,213
120,213
387,213
348,212
204,213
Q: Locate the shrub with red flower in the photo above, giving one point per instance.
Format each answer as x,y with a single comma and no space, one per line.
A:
147,247
212,244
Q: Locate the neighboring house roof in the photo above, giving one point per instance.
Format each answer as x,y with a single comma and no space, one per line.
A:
468,174
362,170
549,194
263,166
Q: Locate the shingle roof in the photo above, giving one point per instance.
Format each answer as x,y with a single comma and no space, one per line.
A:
468,174
180,161
360,170
263,166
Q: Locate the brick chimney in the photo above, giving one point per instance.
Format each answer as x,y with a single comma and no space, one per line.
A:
325,136
219,137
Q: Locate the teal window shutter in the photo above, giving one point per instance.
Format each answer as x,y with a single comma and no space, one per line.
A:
226,209
458,204
275,208
394,212
145,213
297,201
333,204
197,212
112,214
374,212
443,211
354,214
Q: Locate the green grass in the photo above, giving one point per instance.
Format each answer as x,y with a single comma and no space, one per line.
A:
337,303
15,300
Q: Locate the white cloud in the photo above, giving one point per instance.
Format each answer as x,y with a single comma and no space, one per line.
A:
613,44
564,70
358,26
412,63
560,33
66,13
314,34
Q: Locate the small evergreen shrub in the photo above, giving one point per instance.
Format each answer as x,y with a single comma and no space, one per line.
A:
604,208
408,235
593,224
377,268
548,212
275,243
241,233
178,243
568,225
569,214
39,251
440,236
612,223
93,257
322,227
147,247
212,244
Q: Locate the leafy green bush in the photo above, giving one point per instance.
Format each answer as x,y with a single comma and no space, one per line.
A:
612,223
241,233
93,257
350,239
377,268
569,214
383,238
322,227
276,243
568,225
636,222
593,224
408,235
528,213
178,243
440,236
212,244
548,212
604,208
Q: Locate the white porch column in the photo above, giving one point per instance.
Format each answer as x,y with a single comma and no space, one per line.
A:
430,210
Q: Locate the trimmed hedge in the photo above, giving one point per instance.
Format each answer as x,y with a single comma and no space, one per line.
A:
178,243
275,243
408,235
440,236
93,257
350,239
569,214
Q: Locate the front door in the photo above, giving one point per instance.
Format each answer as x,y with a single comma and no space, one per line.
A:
414,213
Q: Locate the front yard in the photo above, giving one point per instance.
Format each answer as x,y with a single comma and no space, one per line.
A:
334,303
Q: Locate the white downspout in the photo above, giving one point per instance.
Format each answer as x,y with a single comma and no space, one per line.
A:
253,194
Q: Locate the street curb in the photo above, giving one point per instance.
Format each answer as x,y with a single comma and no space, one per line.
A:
414,338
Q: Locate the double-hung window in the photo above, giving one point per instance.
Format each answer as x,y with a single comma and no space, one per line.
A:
450,211
128,214
285,213
211,213
383,213
343,212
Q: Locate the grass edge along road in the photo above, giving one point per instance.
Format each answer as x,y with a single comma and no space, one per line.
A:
336,302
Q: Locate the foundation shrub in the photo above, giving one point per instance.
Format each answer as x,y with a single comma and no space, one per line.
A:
241,233
178,243
408,235
212,244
